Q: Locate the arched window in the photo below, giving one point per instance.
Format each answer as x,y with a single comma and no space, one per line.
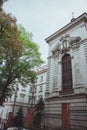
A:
66,72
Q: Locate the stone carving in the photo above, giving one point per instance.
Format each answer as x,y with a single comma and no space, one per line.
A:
73,40
81,89
66,42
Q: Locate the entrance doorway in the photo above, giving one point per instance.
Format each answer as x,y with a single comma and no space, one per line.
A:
65,115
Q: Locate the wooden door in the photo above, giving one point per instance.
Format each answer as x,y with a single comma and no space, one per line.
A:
65,115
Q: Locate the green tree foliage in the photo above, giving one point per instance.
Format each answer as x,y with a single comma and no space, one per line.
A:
30,56
11,48
38,114
18,55
18,119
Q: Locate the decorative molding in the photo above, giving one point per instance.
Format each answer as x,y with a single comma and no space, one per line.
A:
55,93
66,43
80,89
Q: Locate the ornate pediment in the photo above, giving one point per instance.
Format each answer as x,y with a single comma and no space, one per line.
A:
66,43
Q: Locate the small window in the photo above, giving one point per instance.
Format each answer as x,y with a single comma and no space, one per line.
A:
41,78
30,100
30,89
23,90
41,89
22,97
35,89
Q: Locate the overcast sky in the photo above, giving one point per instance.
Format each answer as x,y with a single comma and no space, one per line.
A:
44,17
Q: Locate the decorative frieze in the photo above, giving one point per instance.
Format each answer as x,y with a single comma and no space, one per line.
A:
80,89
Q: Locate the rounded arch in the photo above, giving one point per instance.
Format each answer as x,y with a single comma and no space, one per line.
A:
66,72
66,55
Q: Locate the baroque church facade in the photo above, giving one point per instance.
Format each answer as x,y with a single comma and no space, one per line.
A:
66,91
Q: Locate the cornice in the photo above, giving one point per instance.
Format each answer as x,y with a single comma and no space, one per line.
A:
67,27
67,97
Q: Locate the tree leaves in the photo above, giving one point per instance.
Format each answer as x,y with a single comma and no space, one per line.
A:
18,55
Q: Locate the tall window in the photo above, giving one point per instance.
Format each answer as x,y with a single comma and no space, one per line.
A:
66,72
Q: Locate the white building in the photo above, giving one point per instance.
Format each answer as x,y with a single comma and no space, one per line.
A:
25,96
41,82
66,92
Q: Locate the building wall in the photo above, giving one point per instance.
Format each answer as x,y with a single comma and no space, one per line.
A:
77,112
22,96
77,57
41,82
58,100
